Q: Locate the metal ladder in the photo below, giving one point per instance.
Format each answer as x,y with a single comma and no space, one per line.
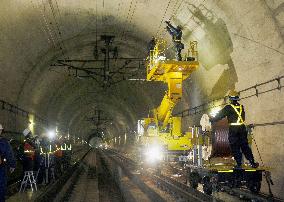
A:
28,179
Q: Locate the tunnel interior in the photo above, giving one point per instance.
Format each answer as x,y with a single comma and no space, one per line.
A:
44,45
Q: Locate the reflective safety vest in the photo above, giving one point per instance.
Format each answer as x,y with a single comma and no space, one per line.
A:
29,151
69,147
46,150
240,120
41,150
63,147
58,152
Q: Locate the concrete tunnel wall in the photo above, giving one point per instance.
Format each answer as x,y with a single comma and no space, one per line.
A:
240,45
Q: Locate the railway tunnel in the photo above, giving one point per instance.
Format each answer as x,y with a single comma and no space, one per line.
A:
79,68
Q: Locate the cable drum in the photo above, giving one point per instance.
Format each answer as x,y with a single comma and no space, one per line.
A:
220,141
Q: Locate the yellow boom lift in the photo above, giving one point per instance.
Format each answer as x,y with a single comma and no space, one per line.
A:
161,127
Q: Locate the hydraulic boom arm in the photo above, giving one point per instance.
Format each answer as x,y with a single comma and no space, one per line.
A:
173,73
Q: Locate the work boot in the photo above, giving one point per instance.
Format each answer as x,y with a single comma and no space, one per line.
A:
254,164
238,167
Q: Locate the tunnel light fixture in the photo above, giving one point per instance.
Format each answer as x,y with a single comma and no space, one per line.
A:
31,122
215,111
153,153
51,134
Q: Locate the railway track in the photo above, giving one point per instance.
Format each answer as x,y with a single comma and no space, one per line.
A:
91,182
106,175
240,194
180,190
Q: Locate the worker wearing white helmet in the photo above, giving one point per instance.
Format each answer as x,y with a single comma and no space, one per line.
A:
29,151
7,159
27,132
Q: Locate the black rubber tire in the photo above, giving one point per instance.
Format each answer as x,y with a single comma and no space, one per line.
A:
207,185
194,179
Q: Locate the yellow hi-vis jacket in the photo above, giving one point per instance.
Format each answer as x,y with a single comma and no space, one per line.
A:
240,120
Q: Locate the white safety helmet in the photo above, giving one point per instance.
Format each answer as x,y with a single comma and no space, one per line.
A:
26,132
1,127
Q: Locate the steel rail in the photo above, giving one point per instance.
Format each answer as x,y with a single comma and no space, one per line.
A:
173,187
185,192
248,196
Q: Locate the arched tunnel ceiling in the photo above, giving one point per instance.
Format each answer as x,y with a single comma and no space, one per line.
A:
35,34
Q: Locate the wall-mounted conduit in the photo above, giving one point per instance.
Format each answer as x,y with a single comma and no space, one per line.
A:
212,104
18,111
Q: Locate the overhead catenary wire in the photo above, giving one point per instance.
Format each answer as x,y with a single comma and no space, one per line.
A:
46,24
118,7
176,7
129,17
60,39
163,18
51,32
43,27
175,10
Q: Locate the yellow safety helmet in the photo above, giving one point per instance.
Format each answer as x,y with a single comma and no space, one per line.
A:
234,95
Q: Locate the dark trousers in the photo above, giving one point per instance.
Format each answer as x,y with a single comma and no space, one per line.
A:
239,144
178,46
3,183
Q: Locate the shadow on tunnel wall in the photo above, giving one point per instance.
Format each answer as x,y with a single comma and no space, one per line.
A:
214,44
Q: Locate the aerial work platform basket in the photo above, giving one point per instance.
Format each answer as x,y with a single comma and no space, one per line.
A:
158,66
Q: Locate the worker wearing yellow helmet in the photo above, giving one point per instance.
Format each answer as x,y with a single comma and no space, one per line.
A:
235,114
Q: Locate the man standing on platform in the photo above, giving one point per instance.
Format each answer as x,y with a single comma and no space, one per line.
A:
238,140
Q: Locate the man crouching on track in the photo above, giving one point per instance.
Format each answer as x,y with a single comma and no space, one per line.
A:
235,114
6,159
